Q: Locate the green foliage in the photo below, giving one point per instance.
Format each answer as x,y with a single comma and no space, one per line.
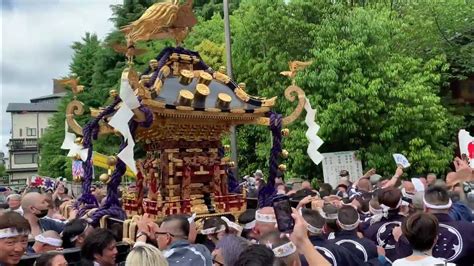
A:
375,100
207,8
2,170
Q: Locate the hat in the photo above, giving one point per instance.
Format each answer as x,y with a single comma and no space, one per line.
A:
375,178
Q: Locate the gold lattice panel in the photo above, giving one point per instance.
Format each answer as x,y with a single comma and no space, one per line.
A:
178,129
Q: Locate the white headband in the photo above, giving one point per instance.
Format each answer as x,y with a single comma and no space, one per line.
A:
348,227
386,208
49,240
212,230
310,228
233,225
374,210
191,219
250,225
11,232
284,250
407,195
265,218
332,216
437,207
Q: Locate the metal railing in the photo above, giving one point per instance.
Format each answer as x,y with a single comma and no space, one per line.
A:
20,144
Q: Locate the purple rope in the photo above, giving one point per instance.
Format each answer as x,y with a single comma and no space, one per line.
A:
90,131
112,206
164,56
266,193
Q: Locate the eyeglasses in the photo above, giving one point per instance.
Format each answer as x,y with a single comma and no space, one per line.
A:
164,233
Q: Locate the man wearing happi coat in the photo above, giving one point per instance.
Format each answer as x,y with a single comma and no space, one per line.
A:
455,238
382,225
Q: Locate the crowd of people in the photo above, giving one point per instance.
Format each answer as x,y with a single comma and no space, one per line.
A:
369,221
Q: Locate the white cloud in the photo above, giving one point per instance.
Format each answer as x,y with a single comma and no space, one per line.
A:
36,38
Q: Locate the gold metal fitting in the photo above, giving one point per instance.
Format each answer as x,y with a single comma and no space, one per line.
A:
104,178
242,85
153,63
185,98
113,93
77,179
79,89
231,164
282,167
78,141
205,78
284,154
285,132
223,70
186,77
226,148
202,91
223,101
77,157
111,160
165,70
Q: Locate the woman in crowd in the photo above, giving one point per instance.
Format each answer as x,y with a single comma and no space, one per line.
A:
145,255
51,259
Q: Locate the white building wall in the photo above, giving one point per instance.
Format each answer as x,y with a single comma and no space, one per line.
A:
22,121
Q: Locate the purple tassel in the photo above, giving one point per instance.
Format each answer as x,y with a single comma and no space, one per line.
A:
266,193
87,200
112,206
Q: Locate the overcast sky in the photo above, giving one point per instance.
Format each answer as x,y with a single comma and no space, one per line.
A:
36,38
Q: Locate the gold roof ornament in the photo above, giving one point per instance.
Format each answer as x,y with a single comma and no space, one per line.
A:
295,66
160,21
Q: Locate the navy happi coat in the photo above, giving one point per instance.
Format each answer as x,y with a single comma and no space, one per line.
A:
363,248
455,241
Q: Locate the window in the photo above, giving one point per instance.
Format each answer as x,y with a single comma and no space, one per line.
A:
30,132
21,132
26,158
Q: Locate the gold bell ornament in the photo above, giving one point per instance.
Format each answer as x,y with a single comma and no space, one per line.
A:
285,132
282,167
284,154
104,178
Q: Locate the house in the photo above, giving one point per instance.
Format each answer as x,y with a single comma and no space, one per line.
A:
29,123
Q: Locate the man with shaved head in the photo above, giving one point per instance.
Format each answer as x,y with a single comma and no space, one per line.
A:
35,208
172,239
265,221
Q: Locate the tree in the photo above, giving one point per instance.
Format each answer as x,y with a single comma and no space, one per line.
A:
266,36
373,99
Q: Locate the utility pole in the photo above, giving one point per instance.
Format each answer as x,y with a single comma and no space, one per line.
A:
228,53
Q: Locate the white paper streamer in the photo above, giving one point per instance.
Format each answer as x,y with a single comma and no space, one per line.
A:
121,118
69,144
120,122
126,92
311,134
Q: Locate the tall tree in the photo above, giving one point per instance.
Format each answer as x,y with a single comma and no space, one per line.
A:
374,99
